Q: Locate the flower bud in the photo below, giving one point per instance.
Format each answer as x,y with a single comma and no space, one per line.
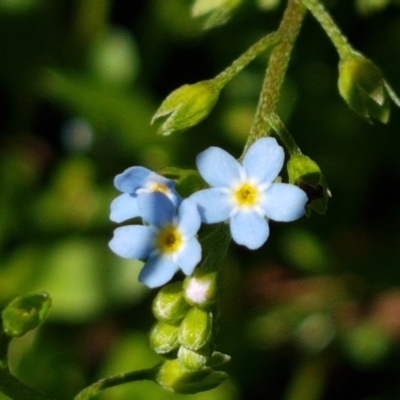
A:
215,13
25,313
187,106
363,87
193,360
200,289
174,376
164,338
196,329
170,305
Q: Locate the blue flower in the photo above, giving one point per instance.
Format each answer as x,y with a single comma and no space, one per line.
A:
134,182
246,193
168,242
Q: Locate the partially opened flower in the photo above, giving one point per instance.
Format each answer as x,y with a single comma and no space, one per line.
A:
168,242
246,193
134,182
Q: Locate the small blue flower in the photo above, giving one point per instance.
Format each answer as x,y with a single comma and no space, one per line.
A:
168,242
246,193
134,182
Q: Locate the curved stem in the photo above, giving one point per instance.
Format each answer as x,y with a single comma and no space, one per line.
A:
322,16
16,389
277,66
93,390
249,55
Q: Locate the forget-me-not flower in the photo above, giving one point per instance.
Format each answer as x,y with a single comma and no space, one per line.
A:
246,193
168,242
134,182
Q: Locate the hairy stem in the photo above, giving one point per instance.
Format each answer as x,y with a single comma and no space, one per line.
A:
93,390
267,41
322,16
277,66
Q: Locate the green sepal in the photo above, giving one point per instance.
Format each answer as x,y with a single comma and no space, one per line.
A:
174,376
187,106
164,338
213,12
25,313
217,359
170,305
194,360
362,86
188,181
306,174
196,329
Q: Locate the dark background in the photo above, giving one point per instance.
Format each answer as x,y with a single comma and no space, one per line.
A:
314,314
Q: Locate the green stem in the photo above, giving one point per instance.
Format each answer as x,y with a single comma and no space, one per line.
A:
18,390
267,41
277,66
279,127
93,390
323,17
309,380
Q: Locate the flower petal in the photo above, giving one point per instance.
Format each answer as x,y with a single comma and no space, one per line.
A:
132,241
249,229
155,208
190,256
213,205
189,218
131,179
217,167
124,207
284,202
157,271
264,160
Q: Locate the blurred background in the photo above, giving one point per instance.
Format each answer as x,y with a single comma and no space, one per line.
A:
315,314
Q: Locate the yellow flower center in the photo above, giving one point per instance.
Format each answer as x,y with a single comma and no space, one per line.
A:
158,187
169,240
246,195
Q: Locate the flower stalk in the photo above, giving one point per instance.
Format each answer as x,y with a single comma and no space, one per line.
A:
276,70
322,16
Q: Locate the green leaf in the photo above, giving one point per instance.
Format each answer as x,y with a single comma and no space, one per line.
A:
306,174
25,313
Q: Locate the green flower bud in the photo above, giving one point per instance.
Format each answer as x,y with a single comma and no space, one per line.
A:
25,313
170,305
196,329
187,106
363,87
306,174
193,360
164,338
174,376
201,289
215,12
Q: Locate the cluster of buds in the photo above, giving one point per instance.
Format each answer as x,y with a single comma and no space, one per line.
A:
183,334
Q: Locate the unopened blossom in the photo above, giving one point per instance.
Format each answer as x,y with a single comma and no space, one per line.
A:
168,242
246,193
